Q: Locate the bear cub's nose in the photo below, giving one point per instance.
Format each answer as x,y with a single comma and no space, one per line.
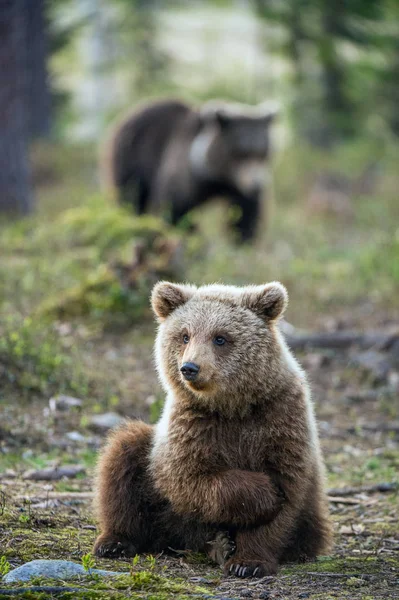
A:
190,371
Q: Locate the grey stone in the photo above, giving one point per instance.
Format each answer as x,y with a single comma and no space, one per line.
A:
104,422
75,436
377,363
52,569
64,403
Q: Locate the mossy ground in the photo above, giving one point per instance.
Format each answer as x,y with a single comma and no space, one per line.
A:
66,329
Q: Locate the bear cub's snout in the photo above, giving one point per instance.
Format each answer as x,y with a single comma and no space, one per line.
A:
190,371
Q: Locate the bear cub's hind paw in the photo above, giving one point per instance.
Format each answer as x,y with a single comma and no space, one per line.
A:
249,568
113,547
221,548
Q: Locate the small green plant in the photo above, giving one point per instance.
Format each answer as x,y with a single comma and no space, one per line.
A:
150,559
24,518
88,562
136,560
4,566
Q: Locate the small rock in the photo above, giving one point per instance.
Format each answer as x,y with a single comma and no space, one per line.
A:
393,380
377,363
53,569
104,422
64,403
10,474
287,328
304,595
264,595
245,594
75,436
54,474
149,401
199,580
315,360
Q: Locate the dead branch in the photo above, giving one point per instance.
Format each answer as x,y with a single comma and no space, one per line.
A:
55,496
343,500
342,340
364,489
365,576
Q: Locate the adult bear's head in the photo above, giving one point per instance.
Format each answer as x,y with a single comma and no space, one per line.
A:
232,145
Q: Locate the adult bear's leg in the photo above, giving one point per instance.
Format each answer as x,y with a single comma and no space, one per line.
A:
134,194
250,215
128,509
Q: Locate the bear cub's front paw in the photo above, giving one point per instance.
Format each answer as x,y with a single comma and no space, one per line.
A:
114,547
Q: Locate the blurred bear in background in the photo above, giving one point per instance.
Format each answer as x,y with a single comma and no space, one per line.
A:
170,158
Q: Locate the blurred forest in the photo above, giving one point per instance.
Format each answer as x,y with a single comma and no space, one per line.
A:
76,270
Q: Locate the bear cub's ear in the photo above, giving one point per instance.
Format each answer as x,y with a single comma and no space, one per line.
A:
267,301
166,297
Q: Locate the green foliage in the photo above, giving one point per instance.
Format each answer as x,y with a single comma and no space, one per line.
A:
33,359
88,562
151,560
103,225
24,518
156,409
136,560
335,97
4,566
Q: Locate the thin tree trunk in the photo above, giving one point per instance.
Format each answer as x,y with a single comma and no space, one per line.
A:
15,191
37,89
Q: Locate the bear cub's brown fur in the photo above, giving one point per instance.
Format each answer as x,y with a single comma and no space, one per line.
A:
233,467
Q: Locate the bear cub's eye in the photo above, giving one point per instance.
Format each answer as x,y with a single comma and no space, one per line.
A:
219,340
186,338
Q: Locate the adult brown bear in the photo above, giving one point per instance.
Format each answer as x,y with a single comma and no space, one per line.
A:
170,157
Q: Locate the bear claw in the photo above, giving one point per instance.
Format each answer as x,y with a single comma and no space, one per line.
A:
112,548
249,569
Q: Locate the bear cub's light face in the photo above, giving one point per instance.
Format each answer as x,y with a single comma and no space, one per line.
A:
216,338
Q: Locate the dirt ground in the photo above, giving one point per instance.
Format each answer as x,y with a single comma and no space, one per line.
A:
358,419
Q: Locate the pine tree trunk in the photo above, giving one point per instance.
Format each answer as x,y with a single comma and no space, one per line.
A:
15,191
37,85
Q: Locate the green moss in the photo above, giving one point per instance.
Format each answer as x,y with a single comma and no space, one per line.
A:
139,584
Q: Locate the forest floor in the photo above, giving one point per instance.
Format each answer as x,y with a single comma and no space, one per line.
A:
66,331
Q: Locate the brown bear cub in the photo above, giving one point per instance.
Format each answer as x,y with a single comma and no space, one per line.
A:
233,468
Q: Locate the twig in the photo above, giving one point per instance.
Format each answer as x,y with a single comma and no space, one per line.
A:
357,575
57,496
342,500
364,489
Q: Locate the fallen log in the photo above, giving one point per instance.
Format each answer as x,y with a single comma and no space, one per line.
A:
364,489
342,340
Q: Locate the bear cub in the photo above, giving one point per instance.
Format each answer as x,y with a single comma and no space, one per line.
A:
233,467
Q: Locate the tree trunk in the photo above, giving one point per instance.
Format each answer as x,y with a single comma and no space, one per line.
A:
15,191
37,85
